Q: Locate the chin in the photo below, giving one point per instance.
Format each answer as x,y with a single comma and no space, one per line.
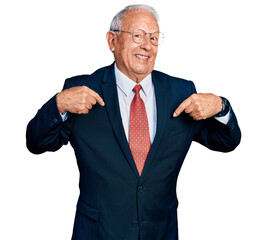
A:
142,71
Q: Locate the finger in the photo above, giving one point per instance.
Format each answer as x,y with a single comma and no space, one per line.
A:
89,106
82,111
184,105
194,115
190,109
90,101
97,98
197,118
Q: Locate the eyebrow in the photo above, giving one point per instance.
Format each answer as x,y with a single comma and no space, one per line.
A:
145,31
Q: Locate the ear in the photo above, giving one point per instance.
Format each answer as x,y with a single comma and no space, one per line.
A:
111,39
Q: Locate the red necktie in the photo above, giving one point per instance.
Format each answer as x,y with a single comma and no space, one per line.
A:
139,138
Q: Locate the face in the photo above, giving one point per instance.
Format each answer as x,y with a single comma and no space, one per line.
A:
134,60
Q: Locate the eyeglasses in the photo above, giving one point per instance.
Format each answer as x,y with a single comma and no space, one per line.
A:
139,36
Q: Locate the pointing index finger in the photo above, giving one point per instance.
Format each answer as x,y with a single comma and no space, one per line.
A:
98,98
186,103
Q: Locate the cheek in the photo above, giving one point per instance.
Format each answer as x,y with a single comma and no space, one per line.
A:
155,52
121,54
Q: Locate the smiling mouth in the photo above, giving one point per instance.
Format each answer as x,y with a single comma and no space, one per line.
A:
141,56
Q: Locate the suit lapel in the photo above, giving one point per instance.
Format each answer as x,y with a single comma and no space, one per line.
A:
162,115
110,95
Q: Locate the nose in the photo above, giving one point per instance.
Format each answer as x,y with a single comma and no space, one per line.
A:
146,44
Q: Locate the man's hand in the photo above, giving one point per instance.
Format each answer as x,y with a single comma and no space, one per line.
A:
78,100
200,106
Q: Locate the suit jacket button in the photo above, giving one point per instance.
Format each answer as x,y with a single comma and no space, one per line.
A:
140,189
134,223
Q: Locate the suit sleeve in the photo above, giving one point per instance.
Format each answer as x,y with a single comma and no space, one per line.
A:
46,131
216,135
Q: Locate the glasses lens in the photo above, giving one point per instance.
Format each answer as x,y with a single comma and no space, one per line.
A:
156,38
138,36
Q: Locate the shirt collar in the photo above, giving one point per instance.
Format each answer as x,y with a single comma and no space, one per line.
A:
127,85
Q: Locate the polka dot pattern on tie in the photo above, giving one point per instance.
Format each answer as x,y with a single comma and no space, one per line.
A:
139,138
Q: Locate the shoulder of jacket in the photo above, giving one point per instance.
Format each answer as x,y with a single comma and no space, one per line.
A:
170,78
85,79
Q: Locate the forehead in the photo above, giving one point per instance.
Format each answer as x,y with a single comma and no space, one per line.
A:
139,19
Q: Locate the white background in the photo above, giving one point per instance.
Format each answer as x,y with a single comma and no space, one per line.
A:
220,45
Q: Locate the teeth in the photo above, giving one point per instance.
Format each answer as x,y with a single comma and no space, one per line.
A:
141,56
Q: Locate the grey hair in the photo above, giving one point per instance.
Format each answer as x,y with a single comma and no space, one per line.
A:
117,20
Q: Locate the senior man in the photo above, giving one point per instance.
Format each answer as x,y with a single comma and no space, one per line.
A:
131,128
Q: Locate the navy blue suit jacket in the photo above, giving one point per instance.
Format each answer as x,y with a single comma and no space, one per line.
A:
116,203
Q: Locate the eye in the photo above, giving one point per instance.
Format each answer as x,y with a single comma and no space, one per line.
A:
154,39
137,35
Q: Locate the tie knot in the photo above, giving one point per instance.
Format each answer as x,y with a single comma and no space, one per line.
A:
137,88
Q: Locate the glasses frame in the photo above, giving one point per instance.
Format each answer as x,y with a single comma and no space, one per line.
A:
144,38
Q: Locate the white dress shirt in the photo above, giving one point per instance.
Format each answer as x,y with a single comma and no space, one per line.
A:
126,94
